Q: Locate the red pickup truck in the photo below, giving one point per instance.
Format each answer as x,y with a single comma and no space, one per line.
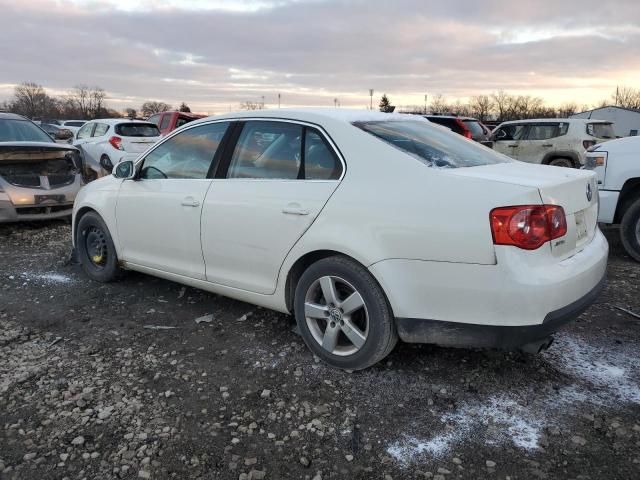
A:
169,121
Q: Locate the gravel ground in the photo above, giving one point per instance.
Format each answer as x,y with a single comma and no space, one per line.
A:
91,388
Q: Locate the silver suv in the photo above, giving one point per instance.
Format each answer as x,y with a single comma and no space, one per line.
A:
559,142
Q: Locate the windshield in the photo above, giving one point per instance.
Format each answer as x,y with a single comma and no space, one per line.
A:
601,130
432,145
137,130
21,131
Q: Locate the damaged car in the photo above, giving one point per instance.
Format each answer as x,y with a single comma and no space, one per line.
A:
39,178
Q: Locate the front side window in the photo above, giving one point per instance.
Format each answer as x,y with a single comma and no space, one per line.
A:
267,150
101,129
186,155
509,133
543,131
183,121
432,145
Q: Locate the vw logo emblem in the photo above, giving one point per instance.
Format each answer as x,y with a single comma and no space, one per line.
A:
589,192
335,315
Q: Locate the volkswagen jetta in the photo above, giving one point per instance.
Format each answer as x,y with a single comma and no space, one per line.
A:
368,227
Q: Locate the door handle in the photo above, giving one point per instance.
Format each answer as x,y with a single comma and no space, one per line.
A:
190,202
295,209
547,145
514,145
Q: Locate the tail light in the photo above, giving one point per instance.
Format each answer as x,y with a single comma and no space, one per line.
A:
587,144
116,142
465,130
527,226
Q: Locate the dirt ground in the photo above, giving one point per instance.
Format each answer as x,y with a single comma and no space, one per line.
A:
91,388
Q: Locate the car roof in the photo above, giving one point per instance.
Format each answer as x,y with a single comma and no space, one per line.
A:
450,117
555,120
315,115
11,116
116,121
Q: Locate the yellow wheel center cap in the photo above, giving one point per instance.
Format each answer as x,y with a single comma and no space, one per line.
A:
96,258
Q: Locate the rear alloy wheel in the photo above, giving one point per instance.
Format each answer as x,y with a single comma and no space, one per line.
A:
343,314
630,230
97,253
562,162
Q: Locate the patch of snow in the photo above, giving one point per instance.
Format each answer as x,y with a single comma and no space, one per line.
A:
598,376
47,278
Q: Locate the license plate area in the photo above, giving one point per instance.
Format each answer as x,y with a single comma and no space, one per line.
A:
581,226
40,199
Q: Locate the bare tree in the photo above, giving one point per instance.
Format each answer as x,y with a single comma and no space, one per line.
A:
86,102
439,104
567,109
29,99
131,113
627,97
248,105
481,107
502,102
152,107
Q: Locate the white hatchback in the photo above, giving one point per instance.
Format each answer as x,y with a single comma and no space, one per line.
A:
104,143
366,226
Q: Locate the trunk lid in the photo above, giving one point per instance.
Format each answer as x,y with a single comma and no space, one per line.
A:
574,190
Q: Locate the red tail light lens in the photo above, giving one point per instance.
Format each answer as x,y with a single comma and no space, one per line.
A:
527,226
116,142
465,130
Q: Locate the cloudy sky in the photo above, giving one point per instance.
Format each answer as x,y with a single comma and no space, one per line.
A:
215,54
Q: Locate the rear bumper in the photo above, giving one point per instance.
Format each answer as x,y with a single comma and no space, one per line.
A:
413,330
523,296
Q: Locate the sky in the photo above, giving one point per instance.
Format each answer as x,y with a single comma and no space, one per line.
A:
216,54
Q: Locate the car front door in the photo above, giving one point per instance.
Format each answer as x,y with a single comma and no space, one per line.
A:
159,213
507,139
275,183
540,139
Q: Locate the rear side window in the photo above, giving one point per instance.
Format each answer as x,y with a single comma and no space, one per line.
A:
101,129
183,121
137,130
545,131
186,155
447,122
74,124
431,145
166,119
282,150
601,130
154,119
474,127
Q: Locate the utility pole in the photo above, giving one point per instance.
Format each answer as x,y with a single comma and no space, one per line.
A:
263,102
426,97
371,95
335,103
278,100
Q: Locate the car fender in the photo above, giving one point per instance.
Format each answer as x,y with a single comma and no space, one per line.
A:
573,155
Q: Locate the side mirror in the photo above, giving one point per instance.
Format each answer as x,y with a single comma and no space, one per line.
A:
501,135
125,170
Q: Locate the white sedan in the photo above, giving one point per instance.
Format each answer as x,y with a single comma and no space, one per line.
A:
366,226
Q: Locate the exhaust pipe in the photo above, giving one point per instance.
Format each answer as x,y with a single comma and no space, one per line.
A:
538,346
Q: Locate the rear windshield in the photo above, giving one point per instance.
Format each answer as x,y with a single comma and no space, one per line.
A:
601,130
137,130
21,131
475,127
432,145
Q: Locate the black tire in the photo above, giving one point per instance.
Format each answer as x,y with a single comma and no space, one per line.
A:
562,162
96,251
381,336
630,230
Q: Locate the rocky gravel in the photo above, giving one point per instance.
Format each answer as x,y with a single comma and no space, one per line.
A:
149,379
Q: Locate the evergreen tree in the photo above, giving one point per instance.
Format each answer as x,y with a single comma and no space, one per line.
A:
385,105
185,108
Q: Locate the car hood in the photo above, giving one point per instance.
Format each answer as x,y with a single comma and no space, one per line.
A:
29,150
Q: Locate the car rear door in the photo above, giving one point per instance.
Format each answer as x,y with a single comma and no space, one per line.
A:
158,214
270,189
80,142
540,140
